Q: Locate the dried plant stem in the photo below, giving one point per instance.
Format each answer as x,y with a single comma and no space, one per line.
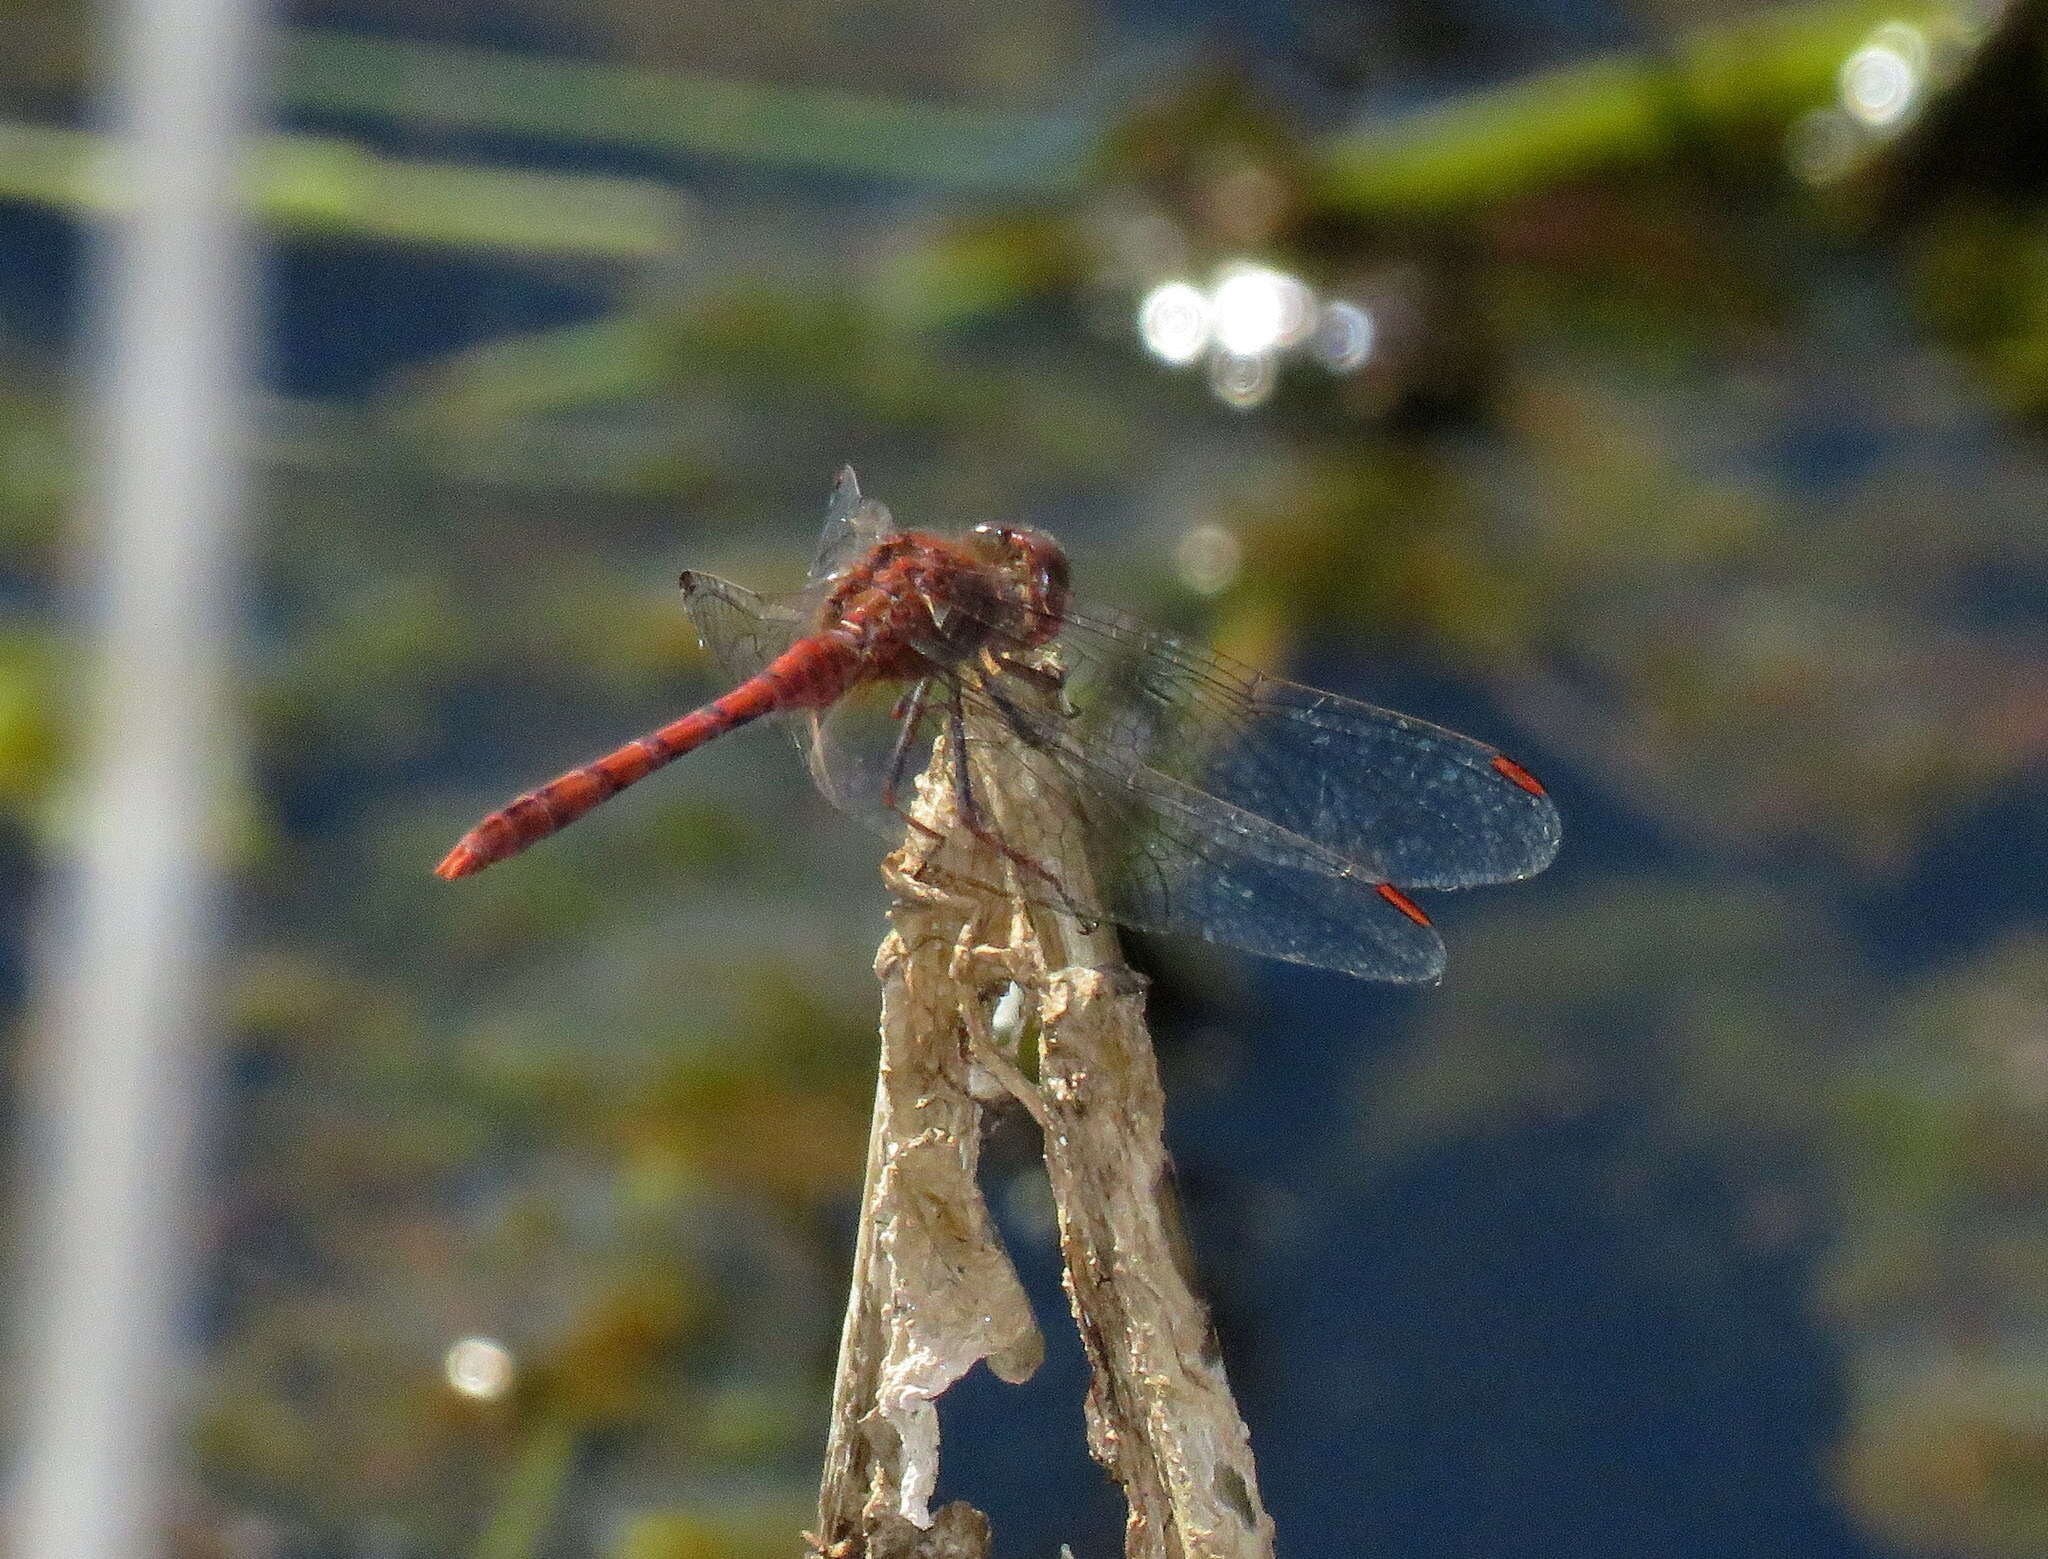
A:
933,1291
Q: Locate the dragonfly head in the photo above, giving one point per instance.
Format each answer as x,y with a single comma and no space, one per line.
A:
1035,562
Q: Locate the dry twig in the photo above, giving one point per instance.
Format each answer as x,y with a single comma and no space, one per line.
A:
933,1290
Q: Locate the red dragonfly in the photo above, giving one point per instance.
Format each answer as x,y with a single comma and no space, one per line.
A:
1212,799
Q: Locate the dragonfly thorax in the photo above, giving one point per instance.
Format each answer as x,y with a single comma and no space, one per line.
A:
918,603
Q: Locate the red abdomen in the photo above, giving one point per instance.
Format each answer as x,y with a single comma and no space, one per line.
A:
810,674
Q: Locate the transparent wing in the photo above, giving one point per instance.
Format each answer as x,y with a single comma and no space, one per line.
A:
856,749
1408,802
853,525
867,750
742,631
1167,856
1208,798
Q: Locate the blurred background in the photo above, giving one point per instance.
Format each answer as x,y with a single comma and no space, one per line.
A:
1656,391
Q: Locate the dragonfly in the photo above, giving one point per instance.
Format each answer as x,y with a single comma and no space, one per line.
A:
1211,799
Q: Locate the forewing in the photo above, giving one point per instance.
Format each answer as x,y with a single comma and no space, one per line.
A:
853,525
1408,802
1163,855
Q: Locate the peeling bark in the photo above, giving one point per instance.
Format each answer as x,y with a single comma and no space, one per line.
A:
933,1290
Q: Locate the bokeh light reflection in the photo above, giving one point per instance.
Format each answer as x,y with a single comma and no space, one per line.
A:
1251,317
1243,379
1174,322
1343,337
1208,558
1880,83
479,1367
1257,311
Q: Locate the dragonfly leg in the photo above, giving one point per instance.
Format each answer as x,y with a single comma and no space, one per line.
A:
969,809
910,711
1020,722
1050,681
1044,678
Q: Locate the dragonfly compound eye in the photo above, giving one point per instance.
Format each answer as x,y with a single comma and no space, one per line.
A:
1033,558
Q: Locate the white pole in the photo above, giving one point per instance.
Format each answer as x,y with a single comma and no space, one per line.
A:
108,1248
